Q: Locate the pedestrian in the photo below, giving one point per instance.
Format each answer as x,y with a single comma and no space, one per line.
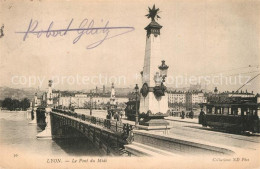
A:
116,116
182,114
121,114
109,114
202,118
191,114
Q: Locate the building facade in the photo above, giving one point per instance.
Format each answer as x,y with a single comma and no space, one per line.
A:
222,96
86,100
181,100
194,98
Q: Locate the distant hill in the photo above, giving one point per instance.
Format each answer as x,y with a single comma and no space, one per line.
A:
16,93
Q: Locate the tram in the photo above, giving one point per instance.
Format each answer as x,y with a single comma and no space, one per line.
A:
235,114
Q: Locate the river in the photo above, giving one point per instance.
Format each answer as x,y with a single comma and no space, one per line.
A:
15,132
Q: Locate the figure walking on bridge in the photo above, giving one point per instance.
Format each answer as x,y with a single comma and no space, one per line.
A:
202,118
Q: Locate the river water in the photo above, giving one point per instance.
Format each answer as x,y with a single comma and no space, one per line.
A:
15,132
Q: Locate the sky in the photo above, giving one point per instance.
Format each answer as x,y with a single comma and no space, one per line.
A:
209,39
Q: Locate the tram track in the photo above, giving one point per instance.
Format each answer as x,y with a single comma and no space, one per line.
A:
230,135
213,136
219,133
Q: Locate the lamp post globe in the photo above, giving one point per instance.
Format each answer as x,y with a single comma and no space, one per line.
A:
163,70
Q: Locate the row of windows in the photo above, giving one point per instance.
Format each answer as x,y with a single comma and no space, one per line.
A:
177,95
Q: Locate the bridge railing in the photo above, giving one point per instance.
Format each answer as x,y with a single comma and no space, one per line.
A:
113,125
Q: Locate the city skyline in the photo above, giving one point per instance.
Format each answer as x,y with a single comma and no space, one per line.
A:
197,39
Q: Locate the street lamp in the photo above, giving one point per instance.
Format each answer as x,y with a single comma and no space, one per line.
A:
163,70
136,108
159,79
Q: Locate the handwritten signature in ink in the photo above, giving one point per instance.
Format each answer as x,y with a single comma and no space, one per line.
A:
86,27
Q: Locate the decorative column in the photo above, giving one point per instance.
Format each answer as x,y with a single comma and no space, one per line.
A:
34,108
112,97
30,111
154,99
46,133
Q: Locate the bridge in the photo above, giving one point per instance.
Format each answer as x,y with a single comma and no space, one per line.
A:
109,136
120,138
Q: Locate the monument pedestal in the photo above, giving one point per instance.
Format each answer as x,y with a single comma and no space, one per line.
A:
29,114
46,133
154,121
161,128
34,121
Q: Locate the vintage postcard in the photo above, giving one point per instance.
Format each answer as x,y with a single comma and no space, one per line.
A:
129,84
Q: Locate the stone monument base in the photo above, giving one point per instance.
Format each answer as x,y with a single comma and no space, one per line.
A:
154,128
154,123
157,120
45,134
33,122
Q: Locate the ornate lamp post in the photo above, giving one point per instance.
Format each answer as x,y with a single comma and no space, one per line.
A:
163,70
136,104
159,79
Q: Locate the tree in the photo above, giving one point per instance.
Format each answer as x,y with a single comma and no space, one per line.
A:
25,104
7,103
14,104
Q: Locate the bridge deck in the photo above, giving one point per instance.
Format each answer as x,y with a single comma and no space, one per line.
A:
86,122
146,143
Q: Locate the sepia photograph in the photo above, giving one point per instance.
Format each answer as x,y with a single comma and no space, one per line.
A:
129,84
